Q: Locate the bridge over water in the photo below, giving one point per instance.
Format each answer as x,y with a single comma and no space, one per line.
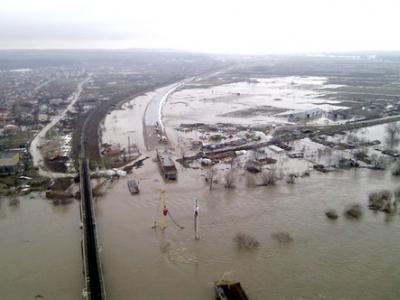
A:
94,283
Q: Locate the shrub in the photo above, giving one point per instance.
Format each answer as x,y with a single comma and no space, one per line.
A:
268,177
331,214
396,169
13,202
282,237
230,179
246,242
396,193
354,211
291,178
378,200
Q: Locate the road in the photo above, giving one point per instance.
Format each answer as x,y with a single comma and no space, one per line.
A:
153,112
43,84
37,157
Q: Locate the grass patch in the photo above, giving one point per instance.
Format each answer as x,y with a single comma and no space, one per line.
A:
18,140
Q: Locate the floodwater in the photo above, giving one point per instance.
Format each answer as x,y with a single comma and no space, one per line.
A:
378,132
342,259
126,123
213,104
40,249
136,118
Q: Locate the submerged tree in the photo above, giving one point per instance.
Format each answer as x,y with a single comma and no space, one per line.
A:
377,162
212,172
393,132
396,169
268,177
230,179
291,179
245,241
181,146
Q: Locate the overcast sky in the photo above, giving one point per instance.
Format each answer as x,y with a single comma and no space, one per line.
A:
228,26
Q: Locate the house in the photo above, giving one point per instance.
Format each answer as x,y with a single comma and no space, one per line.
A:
43,118
304,115
338,115
10,162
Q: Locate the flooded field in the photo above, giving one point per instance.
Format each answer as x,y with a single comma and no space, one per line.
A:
234,102
40,249
127,122
378,132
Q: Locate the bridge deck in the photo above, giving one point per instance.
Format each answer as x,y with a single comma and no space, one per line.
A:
94,283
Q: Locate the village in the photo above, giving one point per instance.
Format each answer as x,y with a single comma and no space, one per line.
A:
257,149
155,147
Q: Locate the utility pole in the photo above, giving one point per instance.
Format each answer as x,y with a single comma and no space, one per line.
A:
196,220
163,211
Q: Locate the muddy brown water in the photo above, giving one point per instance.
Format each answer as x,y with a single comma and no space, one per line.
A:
40,252
343,259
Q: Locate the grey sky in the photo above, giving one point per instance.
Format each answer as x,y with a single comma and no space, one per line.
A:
251,26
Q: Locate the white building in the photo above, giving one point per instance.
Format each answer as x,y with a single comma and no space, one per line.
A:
304,115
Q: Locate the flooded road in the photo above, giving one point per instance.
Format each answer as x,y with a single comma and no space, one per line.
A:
153,111
136,119
40,249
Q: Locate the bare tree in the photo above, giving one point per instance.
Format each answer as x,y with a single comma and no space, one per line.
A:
291,178
245,241
361,154
396,169
210,176
377,162
230,179
392,131
250,180
268,177
181,147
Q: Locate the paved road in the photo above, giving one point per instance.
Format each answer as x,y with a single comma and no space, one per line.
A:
153,112
37,157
